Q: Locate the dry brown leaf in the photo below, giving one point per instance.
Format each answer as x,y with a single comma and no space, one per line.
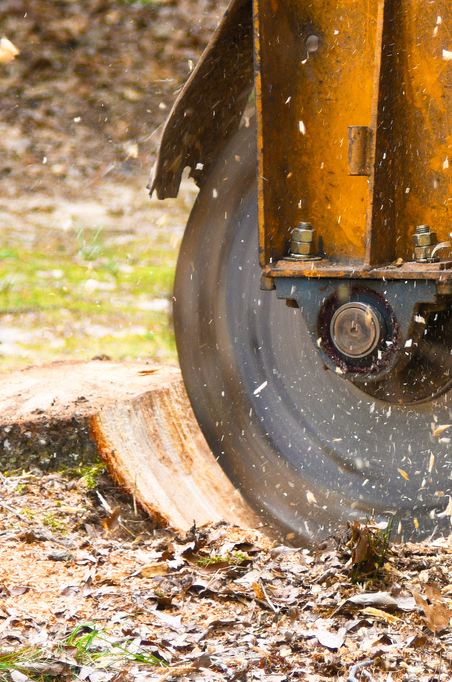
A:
382,615
156,568
433,592
258,591
177,671
360,543
112,520
437,614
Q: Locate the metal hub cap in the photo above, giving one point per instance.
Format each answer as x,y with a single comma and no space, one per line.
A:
356,329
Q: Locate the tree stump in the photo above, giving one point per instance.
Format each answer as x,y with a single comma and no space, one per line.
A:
134,416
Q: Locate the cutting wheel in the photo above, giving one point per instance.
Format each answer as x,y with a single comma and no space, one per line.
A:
309,449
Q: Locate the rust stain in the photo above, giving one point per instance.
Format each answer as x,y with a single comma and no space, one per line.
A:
263,233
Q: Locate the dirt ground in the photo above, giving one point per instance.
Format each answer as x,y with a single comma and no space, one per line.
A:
91,590
84,102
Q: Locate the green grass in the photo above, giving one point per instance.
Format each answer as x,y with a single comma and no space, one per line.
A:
86,292
20,660
56,522
93,645
235,558
86,645
89,475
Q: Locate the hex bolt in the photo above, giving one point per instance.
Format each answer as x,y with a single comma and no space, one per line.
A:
302,241
424,241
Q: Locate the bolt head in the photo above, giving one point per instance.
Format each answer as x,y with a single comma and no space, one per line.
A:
301,234
424,239
423,253
301,248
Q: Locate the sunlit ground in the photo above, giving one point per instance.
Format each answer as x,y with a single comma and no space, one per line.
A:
87,278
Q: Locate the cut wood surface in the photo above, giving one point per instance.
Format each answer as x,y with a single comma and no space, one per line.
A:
137,418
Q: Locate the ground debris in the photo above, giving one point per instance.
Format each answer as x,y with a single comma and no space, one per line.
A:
131,603
90,86
437,612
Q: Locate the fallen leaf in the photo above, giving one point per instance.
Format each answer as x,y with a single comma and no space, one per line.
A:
174,622
70,590
437,613
156,568
360,537
17,676
331,640
112,520
382,615
258,591
177,671
16,591
373,599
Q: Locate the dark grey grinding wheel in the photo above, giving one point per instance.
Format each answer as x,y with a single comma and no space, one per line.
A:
306,447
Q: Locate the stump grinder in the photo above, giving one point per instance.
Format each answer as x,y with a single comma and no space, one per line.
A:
313,294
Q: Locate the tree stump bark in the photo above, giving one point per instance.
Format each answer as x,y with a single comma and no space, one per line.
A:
134,416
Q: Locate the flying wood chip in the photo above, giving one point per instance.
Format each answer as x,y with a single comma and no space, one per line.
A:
7,51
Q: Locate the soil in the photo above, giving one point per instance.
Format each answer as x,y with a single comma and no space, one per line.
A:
91,590
85,100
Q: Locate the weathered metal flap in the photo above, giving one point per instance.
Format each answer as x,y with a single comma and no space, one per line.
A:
209,108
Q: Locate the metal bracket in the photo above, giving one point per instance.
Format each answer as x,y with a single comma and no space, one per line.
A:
402,297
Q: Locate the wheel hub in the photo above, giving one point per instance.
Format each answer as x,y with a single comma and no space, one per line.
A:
356,330
391,339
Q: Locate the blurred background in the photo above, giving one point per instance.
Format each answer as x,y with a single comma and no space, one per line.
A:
86,257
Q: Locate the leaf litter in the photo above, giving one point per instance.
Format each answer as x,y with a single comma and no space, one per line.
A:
88,599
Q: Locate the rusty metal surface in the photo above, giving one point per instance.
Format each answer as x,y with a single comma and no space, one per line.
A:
209,108
314,95
325,66
441,272
422,118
